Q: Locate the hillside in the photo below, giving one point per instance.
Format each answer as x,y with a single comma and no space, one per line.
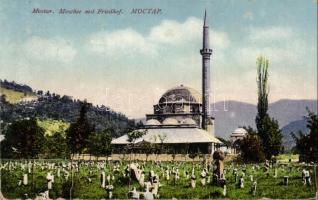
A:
53,126
243,114
52,109
14,97
295,127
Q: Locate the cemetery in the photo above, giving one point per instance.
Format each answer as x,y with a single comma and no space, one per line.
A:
149,180
57,147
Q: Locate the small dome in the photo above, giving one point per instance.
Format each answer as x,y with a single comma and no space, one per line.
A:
181,94
152,122
188,121
239,131
170,121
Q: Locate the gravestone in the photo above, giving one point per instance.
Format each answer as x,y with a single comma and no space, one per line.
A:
253,188
102,179
307,179
25,179
224,190
109,189
193,180
58,172
251,178
203,177
167,174
286,180
241,182
49,178
275,172
218,158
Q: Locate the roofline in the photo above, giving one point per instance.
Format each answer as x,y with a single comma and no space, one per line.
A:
163,126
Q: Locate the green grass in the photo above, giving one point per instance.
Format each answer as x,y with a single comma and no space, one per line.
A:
268,187
53,126
286,157
14,97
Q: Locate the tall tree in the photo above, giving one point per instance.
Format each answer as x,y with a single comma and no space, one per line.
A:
77,136
78,132
267,128
24,139
307,144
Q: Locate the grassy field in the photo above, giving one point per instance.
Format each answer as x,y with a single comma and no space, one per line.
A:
268,187
53,126
15,96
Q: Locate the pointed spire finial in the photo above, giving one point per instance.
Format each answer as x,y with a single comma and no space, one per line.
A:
205,19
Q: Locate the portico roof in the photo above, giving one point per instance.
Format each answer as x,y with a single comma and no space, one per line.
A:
171,136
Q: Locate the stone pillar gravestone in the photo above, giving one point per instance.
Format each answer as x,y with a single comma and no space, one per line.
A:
275,172
203,177
253,188
218,158
109,189
167,174
49,179
25,179
193,180
241,182
102,179
29,168
286,180
224,190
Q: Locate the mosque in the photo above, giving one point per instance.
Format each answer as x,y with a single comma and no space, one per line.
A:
181,121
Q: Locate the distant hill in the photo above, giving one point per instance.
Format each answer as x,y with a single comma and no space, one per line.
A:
47,107
289,113
295,127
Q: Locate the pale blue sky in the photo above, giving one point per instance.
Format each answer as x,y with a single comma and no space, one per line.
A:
128,61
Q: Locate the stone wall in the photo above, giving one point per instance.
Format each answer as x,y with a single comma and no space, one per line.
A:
144,157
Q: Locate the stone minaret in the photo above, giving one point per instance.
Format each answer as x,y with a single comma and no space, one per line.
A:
206,53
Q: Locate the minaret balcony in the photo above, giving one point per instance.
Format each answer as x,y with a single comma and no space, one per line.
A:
206,51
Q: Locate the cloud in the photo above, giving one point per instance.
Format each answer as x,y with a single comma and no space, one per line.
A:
163,36
175,33
273,33
44,49
292,61
119,42
282,45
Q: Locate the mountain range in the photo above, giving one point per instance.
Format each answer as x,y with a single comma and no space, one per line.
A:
290,114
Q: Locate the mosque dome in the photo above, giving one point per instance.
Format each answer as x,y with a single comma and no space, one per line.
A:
188,121
153,122
170,121
181,94
239,131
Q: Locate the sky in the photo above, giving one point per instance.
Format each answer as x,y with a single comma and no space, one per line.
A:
128,61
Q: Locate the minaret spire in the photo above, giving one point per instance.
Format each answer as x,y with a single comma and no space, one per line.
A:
205,20
206,53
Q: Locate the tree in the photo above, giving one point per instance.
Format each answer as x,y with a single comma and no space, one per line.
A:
77,136
307,144
24,139
100,143
267,128
56,146
251,147
78,132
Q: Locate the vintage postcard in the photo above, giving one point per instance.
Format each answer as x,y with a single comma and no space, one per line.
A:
148,99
